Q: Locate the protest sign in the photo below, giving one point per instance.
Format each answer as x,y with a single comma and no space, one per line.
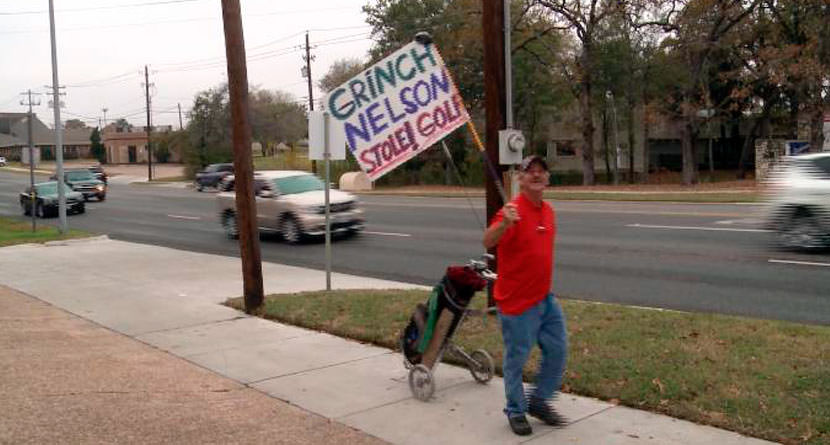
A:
397,108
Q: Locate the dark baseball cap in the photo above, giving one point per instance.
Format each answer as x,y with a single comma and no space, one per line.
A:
530,160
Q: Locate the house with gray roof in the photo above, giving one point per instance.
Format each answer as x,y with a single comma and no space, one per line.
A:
14,138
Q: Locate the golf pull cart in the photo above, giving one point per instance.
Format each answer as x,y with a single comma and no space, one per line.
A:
430,330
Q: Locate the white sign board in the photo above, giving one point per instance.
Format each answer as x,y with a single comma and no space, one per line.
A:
317,138
397,108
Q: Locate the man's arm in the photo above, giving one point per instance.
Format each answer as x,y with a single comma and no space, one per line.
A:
493,234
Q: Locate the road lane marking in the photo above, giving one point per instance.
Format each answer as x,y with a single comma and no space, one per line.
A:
800,263
405,235
739,221
192,218
714,229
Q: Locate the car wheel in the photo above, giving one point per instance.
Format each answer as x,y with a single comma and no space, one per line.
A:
802,232
39,211
199,187
26,208
230,226
81,209
290,230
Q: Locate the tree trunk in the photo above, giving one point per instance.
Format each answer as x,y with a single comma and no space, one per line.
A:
631,139
689,152
817,130
749,144
587,131
605,145
646,155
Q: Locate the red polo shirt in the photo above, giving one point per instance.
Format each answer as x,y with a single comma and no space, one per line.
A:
525,257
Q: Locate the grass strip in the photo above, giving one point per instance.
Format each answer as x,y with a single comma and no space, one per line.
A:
19,231
766,379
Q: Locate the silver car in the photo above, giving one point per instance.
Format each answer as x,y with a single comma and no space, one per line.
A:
798,209
292,203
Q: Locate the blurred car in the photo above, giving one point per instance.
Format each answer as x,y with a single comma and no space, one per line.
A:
99,173
2,161
46,200
211,175
292,203
798,207
82,180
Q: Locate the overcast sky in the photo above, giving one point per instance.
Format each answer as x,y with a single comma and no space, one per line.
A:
103,46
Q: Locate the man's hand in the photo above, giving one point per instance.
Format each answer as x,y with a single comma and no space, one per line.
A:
510,215
492,235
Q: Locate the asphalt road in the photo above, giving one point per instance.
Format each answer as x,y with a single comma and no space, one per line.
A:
694,257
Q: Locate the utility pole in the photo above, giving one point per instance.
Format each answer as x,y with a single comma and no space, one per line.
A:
31,143
494,103
308,58
181,127
105,109
58,127
242,162
149,127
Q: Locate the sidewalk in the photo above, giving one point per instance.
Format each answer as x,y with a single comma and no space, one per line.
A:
169,299
67,380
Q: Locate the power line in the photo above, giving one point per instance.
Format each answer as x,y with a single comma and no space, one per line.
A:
98,8
123,77
162,22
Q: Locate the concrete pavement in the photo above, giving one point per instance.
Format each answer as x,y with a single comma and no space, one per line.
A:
169,299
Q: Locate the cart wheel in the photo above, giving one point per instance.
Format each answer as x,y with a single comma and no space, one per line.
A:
481,367
421,382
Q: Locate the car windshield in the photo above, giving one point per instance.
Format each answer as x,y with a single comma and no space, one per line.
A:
81,175
298,184
50,188
822,167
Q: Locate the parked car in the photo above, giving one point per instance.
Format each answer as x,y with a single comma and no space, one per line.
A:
798,210
46,200
82,180
99,173
211,175
2,161
292,203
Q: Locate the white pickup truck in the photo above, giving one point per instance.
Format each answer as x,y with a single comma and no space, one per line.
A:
292,203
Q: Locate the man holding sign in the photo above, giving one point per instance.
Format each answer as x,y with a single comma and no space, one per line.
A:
397,108
523,232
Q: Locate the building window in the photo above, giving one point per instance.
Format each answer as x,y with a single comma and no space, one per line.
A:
565,148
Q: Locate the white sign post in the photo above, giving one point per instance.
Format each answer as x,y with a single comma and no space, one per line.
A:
397,108
325,142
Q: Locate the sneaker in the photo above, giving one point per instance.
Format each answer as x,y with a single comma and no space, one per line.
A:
520,425
542,410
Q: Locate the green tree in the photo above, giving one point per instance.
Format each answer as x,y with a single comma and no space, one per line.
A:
700,30
339,72
585,19
74,124
277,116
209,130
96,147
456,30
122,125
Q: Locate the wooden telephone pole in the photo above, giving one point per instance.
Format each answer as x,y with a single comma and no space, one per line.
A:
149,127
308,58
242,162
495,103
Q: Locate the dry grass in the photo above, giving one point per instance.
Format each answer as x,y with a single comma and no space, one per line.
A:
761,378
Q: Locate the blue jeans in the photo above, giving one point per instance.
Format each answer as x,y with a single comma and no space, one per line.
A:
542,324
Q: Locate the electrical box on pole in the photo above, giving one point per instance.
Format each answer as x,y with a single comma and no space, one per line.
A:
511,146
